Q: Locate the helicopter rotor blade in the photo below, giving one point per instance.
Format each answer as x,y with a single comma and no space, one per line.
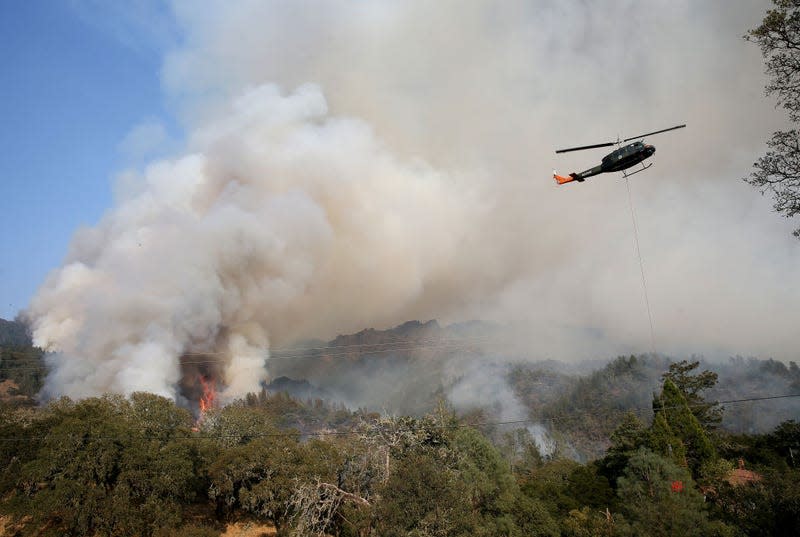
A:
584,147
654,132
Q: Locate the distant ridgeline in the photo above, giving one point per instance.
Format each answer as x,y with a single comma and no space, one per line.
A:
410,368
479,370
14,334
22,366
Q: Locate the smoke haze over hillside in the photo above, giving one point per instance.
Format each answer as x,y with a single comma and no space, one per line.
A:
353,165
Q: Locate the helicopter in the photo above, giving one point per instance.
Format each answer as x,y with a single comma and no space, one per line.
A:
618,160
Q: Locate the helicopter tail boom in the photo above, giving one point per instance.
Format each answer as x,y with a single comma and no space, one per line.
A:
561,179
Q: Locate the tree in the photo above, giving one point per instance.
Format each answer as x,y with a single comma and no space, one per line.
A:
424,498
676,432
778,172
548,484
519,448
397,473
587,522
628,436
96,472
589,488
770,506
260,477
691,385
663,440
785,441
22,431
626,439
236,424
660,499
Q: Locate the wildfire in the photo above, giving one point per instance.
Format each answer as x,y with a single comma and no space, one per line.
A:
209,397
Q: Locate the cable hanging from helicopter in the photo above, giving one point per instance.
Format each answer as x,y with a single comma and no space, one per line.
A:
618,160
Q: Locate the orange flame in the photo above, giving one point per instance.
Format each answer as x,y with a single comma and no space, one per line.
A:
209,397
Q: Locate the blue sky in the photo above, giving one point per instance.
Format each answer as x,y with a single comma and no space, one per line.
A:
71,93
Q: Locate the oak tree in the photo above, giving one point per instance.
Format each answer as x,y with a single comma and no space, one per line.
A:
778,171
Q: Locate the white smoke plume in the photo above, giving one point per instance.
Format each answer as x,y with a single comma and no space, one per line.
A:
488,90
282,220
360,164
483,385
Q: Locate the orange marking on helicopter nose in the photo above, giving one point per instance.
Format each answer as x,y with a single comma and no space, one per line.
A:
561,180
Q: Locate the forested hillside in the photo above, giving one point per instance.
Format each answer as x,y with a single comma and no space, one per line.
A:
637,446
143,466
482,370
14,334
22,367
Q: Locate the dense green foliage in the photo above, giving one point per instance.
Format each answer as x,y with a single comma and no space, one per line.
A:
588,410
109,466
660,499
143,466
639,450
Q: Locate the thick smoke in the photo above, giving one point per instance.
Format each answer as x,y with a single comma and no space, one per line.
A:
354,165
482,385
490,89
281,221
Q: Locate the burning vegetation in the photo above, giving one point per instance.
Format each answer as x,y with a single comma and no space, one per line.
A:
310,468
209,397
200,383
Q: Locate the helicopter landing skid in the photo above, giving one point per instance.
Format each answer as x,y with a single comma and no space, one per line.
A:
643,168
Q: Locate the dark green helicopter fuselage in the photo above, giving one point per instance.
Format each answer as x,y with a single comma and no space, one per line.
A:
619,159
